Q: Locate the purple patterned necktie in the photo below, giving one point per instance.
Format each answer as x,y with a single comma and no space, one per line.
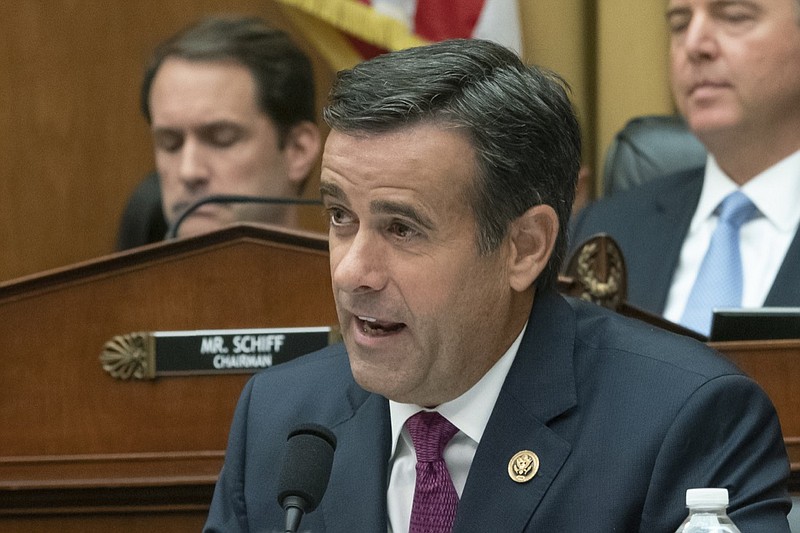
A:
435,497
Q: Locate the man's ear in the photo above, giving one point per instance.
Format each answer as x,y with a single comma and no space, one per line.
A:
301,149
532,237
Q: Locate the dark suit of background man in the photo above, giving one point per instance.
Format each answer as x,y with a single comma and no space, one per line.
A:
448,177
735,71
230,103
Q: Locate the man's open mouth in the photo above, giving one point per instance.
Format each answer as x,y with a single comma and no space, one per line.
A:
376,328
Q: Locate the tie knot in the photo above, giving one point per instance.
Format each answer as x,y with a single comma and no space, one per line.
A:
430,432
736,209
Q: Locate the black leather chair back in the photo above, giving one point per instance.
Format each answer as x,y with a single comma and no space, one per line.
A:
649,147
143,220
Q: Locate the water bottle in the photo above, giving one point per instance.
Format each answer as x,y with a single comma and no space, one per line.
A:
707,512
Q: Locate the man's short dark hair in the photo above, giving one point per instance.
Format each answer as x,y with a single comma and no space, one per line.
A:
519,119
281,71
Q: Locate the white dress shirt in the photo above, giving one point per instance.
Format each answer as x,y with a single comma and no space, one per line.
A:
764,240
469,412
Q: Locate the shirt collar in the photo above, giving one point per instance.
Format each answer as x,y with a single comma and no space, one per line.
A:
776,192
780,209
469,412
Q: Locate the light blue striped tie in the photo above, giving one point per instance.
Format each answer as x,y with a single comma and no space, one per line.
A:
719,281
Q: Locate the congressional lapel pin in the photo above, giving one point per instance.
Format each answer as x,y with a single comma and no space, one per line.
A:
523,466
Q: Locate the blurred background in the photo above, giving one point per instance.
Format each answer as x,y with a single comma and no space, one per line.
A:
73,144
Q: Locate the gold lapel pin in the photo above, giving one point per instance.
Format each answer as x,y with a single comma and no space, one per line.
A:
523,466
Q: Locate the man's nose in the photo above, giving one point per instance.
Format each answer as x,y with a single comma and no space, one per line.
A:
700,40
193,166
359,264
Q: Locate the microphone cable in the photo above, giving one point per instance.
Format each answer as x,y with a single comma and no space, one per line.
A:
172,232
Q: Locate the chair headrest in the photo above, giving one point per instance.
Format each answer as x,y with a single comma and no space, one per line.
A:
649,147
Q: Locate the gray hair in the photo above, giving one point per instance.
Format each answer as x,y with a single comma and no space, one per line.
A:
519,119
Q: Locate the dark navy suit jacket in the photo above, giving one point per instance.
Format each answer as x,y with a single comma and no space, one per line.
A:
650,223
624,418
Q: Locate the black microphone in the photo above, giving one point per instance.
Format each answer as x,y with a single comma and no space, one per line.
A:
234,199
305,471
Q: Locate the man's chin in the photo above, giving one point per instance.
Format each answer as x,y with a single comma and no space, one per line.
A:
712,119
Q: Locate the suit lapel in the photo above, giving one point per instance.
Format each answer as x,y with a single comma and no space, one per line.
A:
785,291
539,387
664,232
356,496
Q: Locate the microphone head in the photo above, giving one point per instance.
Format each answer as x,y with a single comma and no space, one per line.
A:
306,467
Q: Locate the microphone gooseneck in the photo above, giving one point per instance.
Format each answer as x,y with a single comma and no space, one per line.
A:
305,471
172,232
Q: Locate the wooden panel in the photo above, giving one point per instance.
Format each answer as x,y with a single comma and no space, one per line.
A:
113,492
53,328
143,522
80,447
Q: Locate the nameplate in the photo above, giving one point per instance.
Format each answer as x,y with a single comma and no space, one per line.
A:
202,352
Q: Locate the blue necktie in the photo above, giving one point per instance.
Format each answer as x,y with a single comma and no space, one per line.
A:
719,281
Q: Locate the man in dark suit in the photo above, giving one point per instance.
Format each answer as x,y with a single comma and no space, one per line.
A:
448,178
735,71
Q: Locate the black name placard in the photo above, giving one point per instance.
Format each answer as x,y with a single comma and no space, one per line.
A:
224,351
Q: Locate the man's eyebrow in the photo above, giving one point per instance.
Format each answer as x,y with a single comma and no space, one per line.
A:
715,5
379,207
332,190
746,4
677,11
221,123
204,128
165,129
388,207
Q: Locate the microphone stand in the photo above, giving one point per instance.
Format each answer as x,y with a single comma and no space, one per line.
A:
172,232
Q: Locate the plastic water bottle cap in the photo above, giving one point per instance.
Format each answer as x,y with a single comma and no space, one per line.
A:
707,498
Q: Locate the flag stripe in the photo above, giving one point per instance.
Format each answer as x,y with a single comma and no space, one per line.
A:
437,20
